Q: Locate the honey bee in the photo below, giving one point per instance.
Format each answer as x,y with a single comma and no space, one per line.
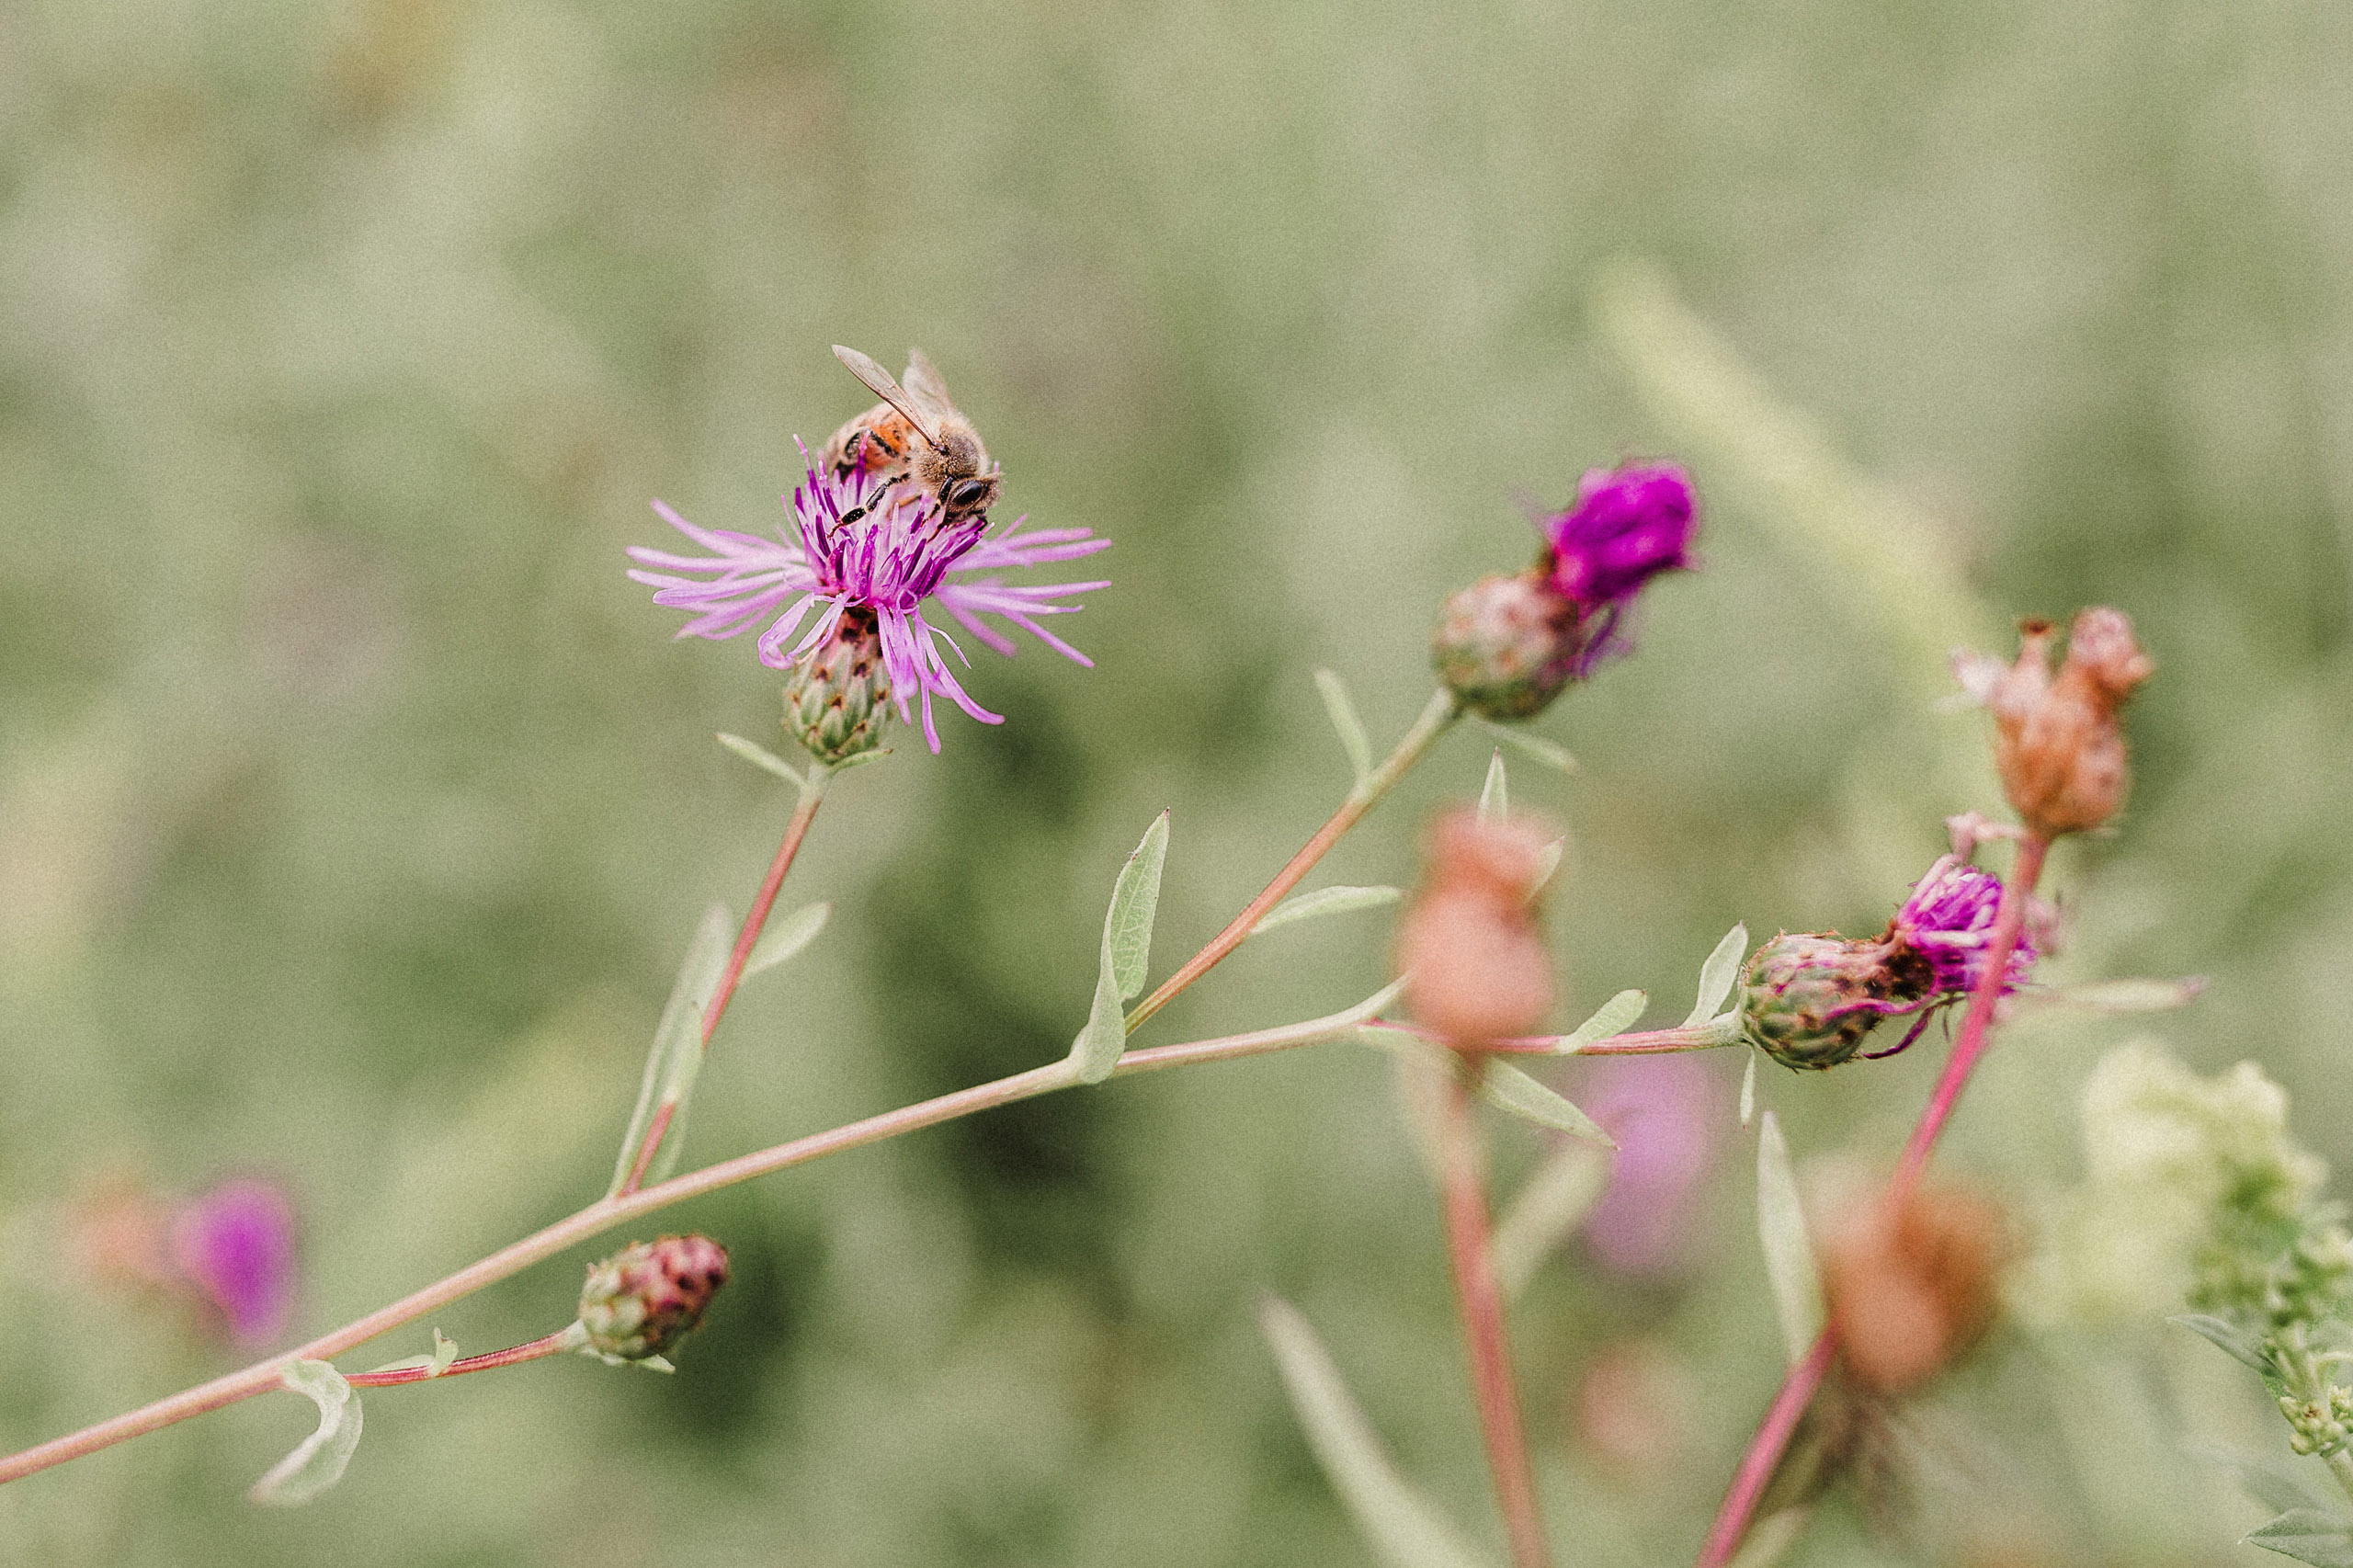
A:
915,436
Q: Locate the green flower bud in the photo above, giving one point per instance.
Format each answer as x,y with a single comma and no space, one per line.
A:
640,1301
1809,1000
1507,647
838,698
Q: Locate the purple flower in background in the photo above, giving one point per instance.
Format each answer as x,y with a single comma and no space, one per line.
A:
878,549
1629,525
1950,919
1663,1111
236,1245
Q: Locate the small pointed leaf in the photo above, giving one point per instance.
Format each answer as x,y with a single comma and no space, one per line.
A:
1537,746
1344,718
676,1055
1554,1202
1494,797
1611,1017
2112,996
784,938
1508,1088
2234,1341
1717,974
1126,954
1323,901
318,1460
1748,1091
1547,860
1405,1530
1789,1252
759,756
2308,1535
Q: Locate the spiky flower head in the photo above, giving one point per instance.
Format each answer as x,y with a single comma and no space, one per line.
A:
1808,999
1505,646
881,549
838,696
1950,919
638,1302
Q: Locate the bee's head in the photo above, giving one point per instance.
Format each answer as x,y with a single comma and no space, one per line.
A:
974,493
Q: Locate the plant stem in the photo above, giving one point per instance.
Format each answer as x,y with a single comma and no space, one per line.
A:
606,1214
812,794
1797,1389
2340,1465
1641,1043
548,1345
1436,718
1480,1299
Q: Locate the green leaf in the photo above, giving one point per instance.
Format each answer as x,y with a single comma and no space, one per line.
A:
786,937
2308,1535
1547,860
445,1350
1537,746
2234,1341
1494,797
1508,1088
1343,720
1717,974
2114,996
1554,1202
318,1460
1323,901
1748,1091
761,757
1770,1538
1126,956
1789,1252
2266,1482
1611,1017
676,1055
1405,1532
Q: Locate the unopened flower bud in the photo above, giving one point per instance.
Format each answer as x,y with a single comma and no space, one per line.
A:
638,1302
1507,647
2058,745
838,696
1809,999
1481,970
1914,1288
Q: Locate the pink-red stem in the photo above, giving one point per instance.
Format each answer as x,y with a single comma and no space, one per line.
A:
548,1345
1797,1389
1480,1298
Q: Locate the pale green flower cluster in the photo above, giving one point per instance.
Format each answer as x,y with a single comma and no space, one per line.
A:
2194,1191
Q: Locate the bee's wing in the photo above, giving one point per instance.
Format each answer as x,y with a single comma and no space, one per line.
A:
879,382
927,386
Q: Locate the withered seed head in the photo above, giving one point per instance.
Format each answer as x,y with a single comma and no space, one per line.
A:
1914,1289
1481,970
2057,742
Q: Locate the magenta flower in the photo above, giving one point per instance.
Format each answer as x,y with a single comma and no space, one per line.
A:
236,1245
1665,1112
884,550
1950,919
1629,525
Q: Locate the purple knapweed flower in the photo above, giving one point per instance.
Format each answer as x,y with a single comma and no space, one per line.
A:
878,549
236,1245
1665,1112
1629,525
1949,918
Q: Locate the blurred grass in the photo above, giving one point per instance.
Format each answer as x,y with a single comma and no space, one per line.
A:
354,809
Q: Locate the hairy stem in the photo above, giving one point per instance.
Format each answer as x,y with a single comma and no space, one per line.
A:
1797,1389
1436,720
812,794
606,1214
1479,1297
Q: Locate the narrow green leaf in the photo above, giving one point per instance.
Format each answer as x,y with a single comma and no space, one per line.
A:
1405,1532
1323,901
2308,1535
1789,1252
1508,1088
1611,1017
1126,955
1494,797
318,1460
786,937
2231,1339
2266,1482
1537,746
1547,860
1770,1538
1717,974
759,756
676,1055
1554,1202
2114,996
1748,1091
1343,720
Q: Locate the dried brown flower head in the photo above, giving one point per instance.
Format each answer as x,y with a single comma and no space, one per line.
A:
1480,968
1914,1288
2057,742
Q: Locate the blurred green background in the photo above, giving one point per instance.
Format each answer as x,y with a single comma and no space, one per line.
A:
355,809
